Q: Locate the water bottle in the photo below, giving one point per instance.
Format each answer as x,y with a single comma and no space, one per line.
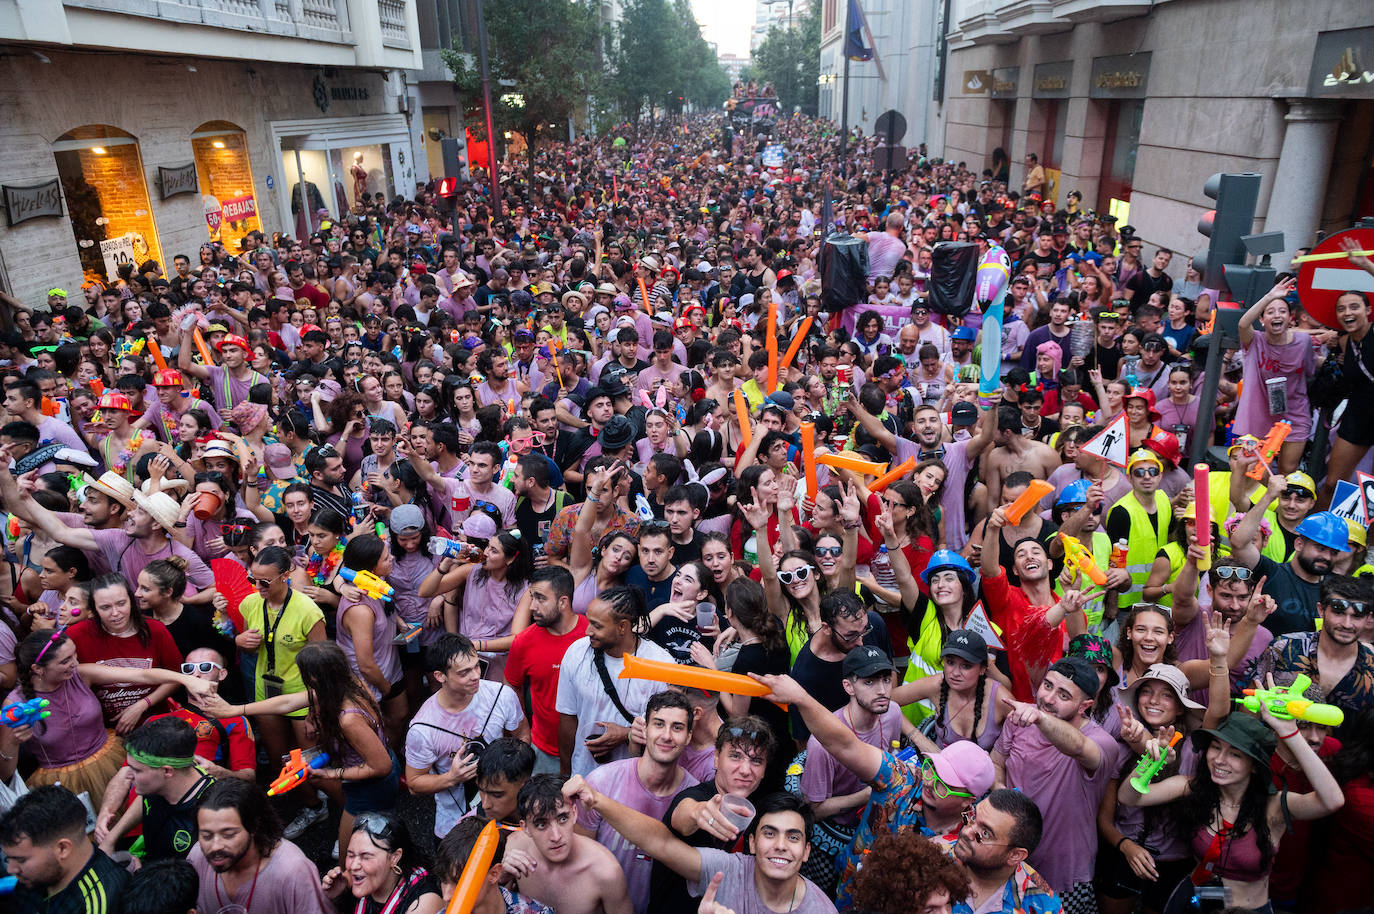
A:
1080,338
881,567
1119,550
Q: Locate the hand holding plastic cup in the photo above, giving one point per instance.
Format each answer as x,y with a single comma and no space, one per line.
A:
207,503
737,810
706,616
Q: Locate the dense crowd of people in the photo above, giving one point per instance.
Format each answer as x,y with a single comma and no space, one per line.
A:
383,511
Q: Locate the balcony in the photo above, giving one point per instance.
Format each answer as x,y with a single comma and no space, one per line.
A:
1031,17
312,20
1076,11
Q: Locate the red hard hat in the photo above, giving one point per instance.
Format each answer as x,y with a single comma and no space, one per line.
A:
1165,444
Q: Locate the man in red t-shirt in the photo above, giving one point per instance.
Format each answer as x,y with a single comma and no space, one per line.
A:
1030,615
536,655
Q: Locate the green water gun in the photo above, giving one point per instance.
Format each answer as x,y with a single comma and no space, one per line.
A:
1289,704
1148,768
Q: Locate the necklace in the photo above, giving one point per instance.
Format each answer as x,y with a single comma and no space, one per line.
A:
322,570
251,889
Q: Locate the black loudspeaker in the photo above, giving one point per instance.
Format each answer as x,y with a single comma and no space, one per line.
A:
953,268
844,271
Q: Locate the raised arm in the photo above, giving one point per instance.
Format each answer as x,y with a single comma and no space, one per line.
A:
1244,542
1247,320
841,742
901,568
872,424
646,833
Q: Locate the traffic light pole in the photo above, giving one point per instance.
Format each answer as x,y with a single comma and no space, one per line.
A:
486,110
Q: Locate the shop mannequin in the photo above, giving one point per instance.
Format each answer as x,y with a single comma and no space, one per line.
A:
359,174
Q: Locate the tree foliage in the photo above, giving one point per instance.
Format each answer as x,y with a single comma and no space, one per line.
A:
658,59
790,59
544,64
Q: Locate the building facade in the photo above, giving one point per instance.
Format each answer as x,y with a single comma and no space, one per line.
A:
271,115
1135,104
903,76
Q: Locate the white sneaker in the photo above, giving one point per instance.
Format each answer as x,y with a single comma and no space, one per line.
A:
334,851
304,819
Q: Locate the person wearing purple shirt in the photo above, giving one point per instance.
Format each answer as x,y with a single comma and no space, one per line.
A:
646,784
1057,755
1238,601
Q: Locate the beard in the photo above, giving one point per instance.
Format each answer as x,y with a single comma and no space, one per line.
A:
1314,567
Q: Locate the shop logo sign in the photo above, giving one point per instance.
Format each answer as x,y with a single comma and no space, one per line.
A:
321,92
33,201
181,180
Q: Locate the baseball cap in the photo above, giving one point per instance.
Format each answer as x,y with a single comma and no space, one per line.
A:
967,644
965,765
964,413
1080,672
963,333
864,661
406,519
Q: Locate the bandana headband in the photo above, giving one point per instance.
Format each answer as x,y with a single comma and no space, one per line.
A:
159,761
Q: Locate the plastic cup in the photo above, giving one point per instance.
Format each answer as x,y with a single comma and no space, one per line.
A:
737,810
207,503
706,616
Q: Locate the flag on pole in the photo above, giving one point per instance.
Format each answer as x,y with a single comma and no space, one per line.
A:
855,26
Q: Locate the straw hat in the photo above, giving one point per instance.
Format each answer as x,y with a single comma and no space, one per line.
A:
112,485
161,507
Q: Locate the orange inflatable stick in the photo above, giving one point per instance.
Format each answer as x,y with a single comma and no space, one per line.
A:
644,296
693,677
808,439
475,871
854,464
199,339
1037,490
802,329
771,343
893,475
742,412
156,352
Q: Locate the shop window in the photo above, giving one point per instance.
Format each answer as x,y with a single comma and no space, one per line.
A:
107,200
1118,154
226,183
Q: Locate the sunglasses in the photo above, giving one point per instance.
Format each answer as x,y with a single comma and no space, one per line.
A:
891,503
977,835
1154,347
231,529
1296,493
800,576
203,666
832,552
938,786
327,450
1227,572
1357,608
376,825
264,582
1145,472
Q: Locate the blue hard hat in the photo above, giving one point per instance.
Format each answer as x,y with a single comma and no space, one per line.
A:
1075,493
947,560
1326,529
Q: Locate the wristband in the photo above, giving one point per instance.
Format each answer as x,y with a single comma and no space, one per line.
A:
1290,735
1123,840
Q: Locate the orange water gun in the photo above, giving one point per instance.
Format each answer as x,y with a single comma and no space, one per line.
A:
1269,449
295,771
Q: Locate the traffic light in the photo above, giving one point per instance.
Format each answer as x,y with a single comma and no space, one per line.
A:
448,194
454,152
1237,196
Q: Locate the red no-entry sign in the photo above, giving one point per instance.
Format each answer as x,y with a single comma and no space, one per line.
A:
1321,282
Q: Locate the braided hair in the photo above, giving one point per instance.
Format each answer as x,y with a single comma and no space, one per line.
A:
977,703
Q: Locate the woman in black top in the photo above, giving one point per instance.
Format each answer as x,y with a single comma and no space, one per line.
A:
1356,432
379,870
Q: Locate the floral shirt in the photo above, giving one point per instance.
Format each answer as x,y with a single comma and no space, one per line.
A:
895,803
1297,653
522,904
559,541
1025,893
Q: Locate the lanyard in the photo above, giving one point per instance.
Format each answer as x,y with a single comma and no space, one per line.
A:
272,631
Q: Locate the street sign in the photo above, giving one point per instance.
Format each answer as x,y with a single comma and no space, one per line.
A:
1110,443
1367,492
1321,282
1347,502
890,127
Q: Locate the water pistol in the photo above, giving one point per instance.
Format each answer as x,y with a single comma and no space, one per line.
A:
1077,555
294,772
1289,704
8,884
1148,768
1269,448
24,713
368,583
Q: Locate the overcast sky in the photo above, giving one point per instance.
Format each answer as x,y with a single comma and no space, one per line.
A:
727,23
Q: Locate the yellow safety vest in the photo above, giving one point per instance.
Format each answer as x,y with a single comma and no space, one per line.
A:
1176,557
1147,537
